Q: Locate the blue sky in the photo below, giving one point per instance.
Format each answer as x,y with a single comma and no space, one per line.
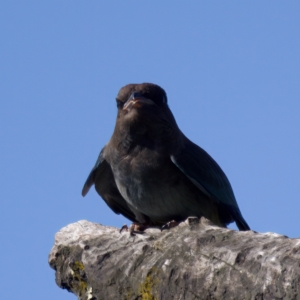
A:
231,70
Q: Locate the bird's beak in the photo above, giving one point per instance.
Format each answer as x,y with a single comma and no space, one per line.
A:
136,100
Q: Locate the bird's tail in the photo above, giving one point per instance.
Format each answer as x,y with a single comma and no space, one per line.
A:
238,218
242,224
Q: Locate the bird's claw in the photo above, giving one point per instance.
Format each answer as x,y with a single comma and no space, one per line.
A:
169,225
135,228
124,227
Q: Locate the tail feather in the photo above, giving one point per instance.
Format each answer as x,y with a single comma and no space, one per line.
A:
242,224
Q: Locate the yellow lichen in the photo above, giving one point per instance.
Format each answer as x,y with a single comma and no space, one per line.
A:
79,265
146,287
79,283
158,245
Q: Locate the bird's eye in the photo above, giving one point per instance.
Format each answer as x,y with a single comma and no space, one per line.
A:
119,103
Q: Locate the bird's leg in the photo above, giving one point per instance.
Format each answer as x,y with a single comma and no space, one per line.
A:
124,227
169,225
135,228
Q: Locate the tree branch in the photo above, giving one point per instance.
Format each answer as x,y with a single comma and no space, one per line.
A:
192,261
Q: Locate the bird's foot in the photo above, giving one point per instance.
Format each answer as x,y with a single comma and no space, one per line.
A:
135,228
169,225
124,227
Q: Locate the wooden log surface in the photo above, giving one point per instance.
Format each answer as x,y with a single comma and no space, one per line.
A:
194,260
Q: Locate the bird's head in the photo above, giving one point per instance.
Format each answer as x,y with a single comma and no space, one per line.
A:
143,112
141,99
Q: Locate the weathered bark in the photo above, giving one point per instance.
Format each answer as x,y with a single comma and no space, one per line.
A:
191,261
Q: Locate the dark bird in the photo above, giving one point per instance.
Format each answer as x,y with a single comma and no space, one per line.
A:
151,173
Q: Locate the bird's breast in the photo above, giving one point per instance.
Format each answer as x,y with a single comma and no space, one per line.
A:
142,175
151,184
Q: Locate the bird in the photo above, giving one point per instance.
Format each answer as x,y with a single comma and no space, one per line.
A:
152,174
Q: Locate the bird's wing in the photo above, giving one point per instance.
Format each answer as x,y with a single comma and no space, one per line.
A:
102,176
206,174
91,178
